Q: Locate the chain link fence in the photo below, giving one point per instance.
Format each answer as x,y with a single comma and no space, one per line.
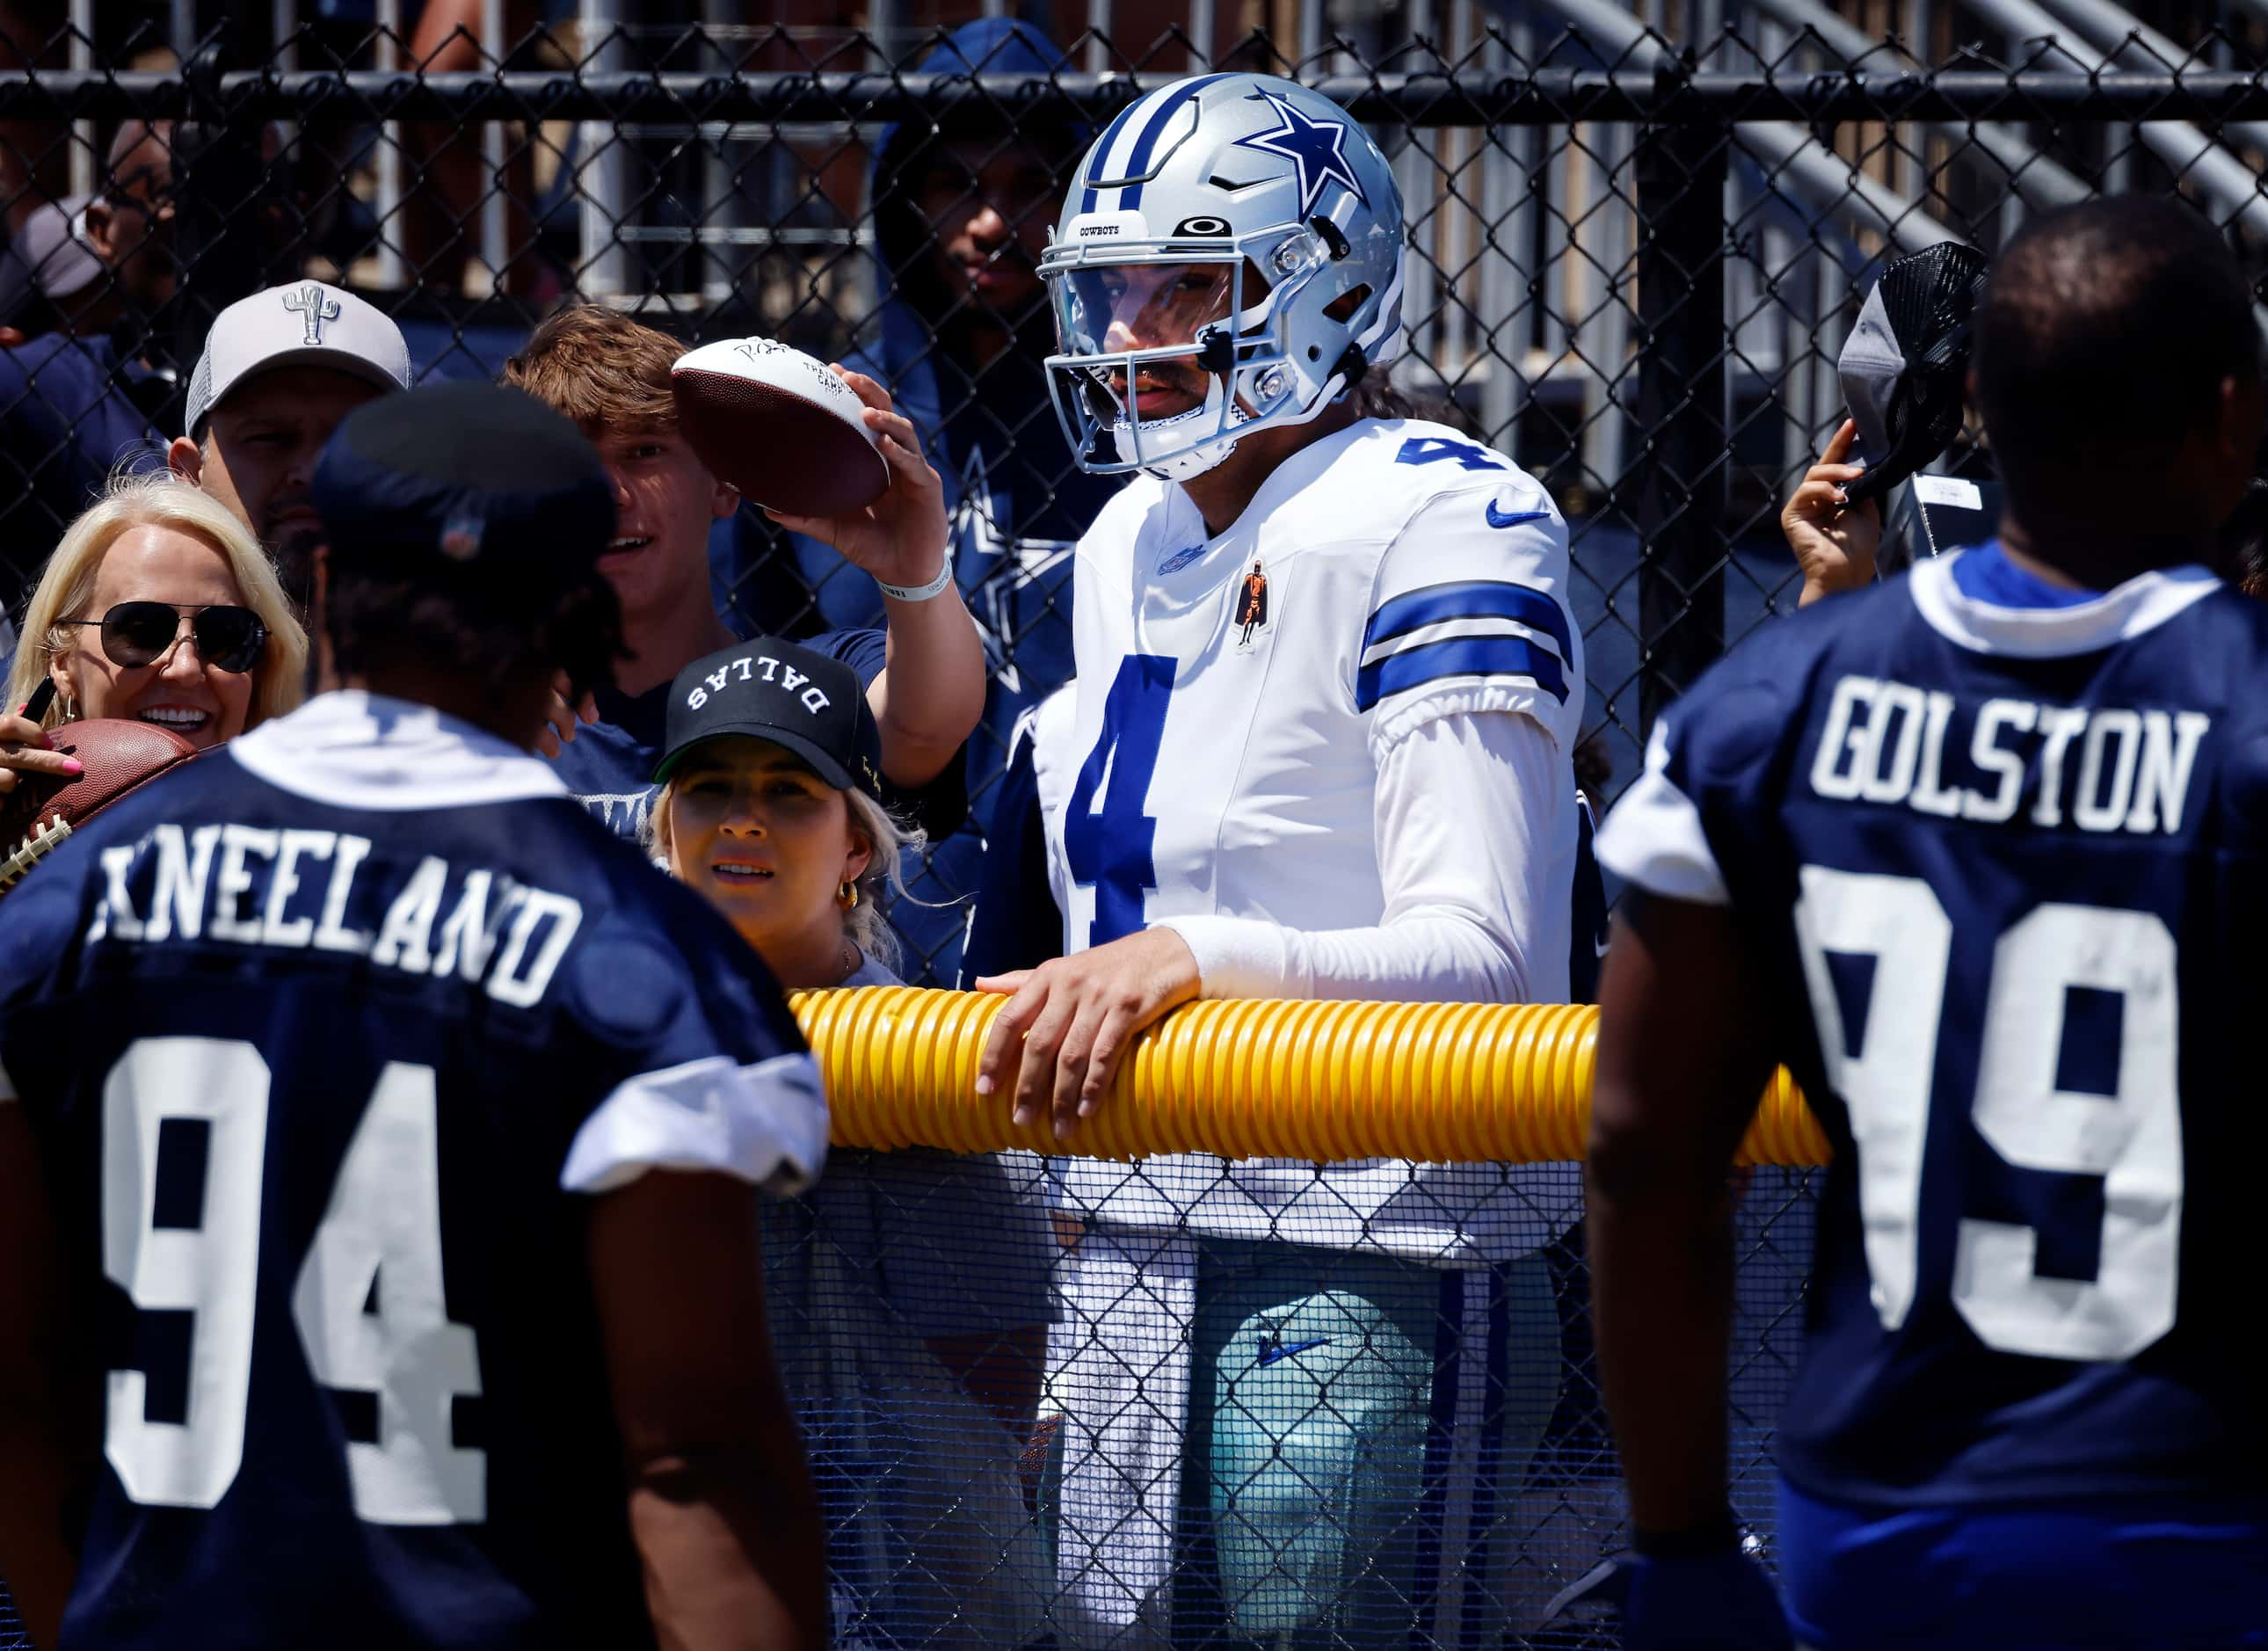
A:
1633,258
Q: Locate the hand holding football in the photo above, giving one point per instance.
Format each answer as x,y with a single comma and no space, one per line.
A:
780,426
115,756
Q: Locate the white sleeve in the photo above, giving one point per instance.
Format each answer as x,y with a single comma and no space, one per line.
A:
1654,839
1468,611
1475,816
765,1124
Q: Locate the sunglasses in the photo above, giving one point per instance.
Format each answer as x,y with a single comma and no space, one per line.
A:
136,634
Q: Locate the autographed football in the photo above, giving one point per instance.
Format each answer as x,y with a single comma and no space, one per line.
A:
779,425
117,754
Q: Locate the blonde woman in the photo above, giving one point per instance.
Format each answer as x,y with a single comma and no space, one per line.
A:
158,605
909,1291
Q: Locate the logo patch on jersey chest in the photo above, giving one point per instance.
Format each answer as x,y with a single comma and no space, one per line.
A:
1251,611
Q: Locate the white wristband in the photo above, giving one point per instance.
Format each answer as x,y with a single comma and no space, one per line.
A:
920,593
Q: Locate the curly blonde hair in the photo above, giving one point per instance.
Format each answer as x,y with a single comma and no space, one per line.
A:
160,500
891,845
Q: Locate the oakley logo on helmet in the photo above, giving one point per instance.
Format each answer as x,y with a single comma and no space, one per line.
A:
1207,226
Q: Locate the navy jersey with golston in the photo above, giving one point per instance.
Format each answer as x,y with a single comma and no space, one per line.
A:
1998,855
326,1038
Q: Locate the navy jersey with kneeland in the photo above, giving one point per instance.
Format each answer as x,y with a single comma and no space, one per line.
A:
323,1037
1996,855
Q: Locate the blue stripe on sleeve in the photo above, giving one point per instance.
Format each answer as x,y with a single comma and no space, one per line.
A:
1459,656
1470,598
1130,197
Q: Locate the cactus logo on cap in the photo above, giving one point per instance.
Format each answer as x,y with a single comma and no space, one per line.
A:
312,305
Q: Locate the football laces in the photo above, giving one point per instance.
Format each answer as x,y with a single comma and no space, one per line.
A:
42,842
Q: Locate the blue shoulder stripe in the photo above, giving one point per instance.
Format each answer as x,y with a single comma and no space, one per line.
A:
1459,656
1470,598
1131,197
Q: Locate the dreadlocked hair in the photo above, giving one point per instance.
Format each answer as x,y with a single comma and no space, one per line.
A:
501,639
1379,397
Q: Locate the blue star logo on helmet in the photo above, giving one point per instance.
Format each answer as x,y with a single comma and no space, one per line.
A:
1318,148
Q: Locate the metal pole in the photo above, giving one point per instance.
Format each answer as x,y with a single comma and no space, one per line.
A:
1413,172
85,163
1456,220
2232,185
1506,160
496,250
1098,26
604,188
1682,493
390,227
1201,35
217,183
2121,34
1605,334
1805,168
2041,182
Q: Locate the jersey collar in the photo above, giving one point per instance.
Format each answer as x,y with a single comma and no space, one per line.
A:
354,749
2118,614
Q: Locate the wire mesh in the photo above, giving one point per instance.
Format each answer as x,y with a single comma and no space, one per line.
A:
1634,253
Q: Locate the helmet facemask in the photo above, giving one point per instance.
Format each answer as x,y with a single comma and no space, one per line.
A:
1147,328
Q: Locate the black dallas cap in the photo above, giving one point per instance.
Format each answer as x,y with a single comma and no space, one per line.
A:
467,485
767,688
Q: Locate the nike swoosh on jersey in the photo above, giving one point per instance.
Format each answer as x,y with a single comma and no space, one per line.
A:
1500,519
1277,1351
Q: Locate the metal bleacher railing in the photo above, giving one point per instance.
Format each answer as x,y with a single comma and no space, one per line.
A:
1637,233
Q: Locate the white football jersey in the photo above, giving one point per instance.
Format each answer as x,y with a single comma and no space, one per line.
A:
1219,755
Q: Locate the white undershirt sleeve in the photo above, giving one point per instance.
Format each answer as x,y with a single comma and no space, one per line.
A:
764,1123
1468,810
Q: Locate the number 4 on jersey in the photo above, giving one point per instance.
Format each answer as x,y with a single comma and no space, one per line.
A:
1433,449
380,1244
1109,848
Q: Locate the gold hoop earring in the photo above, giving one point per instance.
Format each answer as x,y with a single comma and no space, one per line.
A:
846,895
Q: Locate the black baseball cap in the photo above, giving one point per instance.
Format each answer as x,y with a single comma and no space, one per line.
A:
1904,367
767,689
469,485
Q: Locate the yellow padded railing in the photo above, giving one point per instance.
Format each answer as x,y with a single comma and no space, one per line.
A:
1436,1082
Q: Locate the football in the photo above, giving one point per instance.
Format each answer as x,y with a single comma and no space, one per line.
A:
43,809
779,425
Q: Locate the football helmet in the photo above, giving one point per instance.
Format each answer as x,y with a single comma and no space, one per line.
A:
1228,261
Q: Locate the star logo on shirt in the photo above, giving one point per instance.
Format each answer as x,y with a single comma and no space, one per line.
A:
1318,148
1017,563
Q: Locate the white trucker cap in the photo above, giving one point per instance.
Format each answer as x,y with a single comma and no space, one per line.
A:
299,324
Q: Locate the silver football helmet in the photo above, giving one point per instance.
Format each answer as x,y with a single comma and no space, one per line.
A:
1228,260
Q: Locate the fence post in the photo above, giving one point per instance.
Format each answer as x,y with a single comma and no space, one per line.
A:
1682,476
217,190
